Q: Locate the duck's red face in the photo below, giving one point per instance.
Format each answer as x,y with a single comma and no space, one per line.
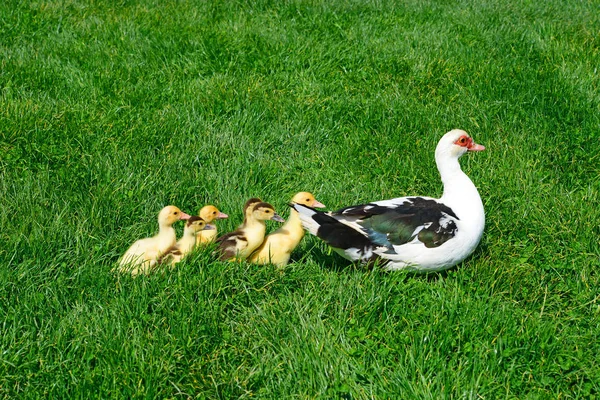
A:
468,143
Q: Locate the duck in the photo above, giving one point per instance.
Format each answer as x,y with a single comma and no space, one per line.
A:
239,244
143,254
186,244
209,213
278,246
415,233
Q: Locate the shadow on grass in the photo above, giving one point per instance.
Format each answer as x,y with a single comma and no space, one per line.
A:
332,261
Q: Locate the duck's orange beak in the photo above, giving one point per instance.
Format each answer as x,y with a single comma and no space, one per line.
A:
184,216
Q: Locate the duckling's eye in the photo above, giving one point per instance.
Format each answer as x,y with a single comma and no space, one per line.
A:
307,199
214,213
175,212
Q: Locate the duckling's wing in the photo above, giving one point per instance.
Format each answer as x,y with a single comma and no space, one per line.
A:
230,244
172,255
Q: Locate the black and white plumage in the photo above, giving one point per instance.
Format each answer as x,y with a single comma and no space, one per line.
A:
416,232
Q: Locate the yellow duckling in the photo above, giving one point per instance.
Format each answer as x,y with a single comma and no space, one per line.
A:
143,254
209,214
177,252
278,246
240,243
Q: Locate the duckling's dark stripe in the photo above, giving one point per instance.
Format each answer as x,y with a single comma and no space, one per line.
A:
192,219
262,205
253,200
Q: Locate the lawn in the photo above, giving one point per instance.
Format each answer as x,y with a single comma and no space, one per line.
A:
111,110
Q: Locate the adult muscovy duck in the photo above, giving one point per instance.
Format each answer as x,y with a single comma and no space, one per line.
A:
418,233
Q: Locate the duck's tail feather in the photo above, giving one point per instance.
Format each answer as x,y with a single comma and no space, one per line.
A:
311,219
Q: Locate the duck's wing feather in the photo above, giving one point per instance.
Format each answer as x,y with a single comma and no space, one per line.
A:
403,220
348,241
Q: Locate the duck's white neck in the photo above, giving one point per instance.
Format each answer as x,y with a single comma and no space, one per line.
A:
459,191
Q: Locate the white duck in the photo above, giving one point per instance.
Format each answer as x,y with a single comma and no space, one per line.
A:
193,226
418,233
142,256
278,246
209,214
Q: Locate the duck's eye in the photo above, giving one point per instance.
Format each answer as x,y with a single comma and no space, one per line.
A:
214,212
462,140
307,199
175,212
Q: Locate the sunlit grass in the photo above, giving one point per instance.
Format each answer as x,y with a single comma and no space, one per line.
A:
110,112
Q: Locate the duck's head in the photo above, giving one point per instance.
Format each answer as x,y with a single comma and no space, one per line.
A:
210,213
456,143
264,212
171,214
307,199
196,224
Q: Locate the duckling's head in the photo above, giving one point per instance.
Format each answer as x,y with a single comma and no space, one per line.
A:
196,224
171,214
210,213
249,205
307,199
264,212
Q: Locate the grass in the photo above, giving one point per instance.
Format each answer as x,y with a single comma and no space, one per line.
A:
109,111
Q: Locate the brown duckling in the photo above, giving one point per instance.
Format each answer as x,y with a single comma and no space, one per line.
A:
240,243
186,244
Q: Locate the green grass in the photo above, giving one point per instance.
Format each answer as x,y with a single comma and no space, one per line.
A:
111,110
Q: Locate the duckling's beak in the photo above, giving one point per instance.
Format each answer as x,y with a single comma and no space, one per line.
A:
184,216
317,204
222,215
209,227
277,217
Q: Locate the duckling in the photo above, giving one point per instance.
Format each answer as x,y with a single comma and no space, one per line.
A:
240,243
143,254
248,208
209,214
278,246
177,252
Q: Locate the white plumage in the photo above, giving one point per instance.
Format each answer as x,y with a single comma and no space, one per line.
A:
414,232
